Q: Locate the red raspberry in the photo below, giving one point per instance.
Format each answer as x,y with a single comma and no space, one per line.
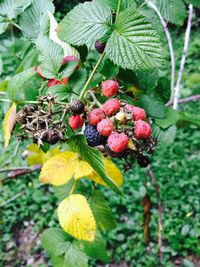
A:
70,59
66,80
138,113
142,130
105,127
111,106
76,122
95,116
118,142
110,88
53,82
38,70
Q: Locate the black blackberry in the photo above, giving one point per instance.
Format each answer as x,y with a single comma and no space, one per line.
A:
143,161
92,135
99,46
51,136
77,107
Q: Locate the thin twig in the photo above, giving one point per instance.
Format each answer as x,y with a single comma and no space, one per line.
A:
170,44
160,209
177,91
92,75
95,99
185,100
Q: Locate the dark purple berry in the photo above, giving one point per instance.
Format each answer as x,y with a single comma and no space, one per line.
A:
99,46
92,135
143,161
77,107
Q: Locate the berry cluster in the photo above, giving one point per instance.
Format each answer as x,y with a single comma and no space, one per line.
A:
121,129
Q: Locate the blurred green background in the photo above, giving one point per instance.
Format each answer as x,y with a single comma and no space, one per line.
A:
28,208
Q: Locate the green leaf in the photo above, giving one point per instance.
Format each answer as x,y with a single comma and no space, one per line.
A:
55,241
172,10
34,20
75,257
95,249
124,4
50,57
61,92
108,69
102,212
3,86
79,144
163,89
171,118
189,117
16,86
147,79
134,44
77,81
153,105
63,191
166,136
196,3
12,8
85,24
68,69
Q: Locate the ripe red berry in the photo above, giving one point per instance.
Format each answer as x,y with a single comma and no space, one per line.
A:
66,80
105,127
38,70
137,113
70,59
142,130
53,82
95,116
76,122
111,106
110,88
118,142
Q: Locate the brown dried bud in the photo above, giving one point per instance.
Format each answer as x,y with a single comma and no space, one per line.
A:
51,136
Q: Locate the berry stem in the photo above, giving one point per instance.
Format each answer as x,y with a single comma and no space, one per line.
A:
118,8
91,75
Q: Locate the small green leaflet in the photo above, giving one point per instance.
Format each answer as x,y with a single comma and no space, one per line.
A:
16,86
153,105
85,24
134,44
12,8
165,137
102,212
63,191
196,3
50,57
171,118
94,157
55,241
95,249
34,20
74,257
124,4
172,10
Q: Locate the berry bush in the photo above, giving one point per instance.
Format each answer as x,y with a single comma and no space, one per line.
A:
91,101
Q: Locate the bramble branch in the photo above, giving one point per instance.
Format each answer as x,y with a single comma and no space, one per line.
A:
170,44
177,89
160,210
185,100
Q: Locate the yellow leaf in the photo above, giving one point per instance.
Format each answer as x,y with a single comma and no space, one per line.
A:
76,218
38,157
112,171
59,169
8,123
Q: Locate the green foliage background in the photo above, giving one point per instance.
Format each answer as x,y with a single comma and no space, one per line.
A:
176,168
